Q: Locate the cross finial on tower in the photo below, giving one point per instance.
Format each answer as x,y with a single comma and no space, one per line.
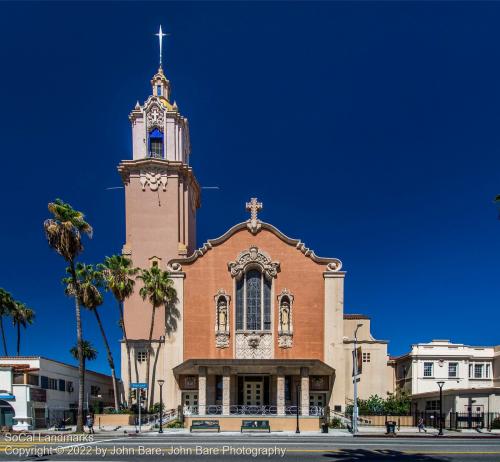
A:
160,36
253,207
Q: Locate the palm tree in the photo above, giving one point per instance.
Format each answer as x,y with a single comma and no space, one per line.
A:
64,234
21,316
90,297
88,353
118,273
6,306
158,289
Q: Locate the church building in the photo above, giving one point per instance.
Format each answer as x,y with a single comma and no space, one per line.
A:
259,324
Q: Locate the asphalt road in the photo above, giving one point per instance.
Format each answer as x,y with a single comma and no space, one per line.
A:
249,447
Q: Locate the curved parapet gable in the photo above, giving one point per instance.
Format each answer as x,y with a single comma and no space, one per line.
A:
333,264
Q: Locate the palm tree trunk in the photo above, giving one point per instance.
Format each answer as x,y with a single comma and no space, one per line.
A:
110,358
150,348
3,337
81,365
18,339
127,346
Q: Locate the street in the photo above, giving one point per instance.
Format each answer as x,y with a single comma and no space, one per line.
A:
248,447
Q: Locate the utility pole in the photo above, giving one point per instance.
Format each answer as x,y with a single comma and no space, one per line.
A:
355,381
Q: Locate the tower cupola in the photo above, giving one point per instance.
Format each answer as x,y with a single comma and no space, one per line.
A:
160,85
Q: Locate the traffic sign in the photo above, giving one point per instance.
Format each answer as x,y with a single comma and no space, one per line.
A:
139,385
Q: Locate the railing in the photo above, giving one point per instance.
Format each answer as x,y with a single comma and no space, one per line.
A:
217,409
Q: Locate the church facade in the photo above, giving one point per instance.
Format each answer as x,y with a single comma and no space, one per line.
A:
259,324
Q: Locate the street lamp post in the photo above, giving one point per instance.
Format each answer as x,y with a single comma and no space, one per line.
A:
297,402
355,380
440,385
161,382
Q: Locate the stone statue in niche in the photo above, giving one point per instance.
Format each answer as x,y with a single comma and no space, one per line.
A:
222,300
222,315
285,315
285,320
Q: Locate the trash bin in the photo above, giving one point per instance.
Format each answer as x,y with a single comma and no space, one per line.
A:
324,427
390,426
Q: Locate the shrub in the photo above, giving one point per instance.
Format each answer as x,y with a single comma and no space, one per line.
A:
174,424
335,422
496,423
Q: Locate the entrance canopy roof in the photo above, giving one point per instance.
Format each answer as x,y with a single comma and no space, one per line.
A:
254,366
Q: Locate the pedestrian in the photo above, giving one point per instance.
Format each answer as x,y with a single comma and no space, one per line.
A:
421,425
90,423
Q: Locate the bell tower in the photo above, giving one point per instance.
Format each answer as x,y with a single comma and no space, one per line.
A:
161,191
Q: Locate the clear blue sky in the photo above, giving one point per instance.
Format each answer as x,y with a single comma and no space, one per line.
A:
369,130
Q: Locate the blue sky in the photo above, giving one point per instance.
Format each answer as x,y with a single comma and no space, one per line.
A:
369,130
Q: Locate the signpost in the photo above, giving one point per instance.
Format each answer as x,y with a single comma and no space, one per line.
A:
139,386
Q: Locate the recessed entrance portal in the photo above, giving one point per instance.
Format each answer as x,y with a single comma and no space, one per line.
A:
253,392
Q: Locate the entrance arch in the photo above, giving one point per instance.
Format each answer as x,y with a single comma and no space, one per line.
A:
7,414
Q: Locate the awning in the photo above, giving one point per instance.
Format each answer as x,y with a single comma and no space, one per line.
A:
254,366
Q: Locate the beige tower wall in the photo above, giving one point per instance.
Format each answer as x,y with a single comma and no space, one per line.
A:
334,333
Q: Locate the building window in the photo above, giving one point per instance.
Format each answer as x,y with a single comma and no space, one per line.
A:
94,390
253,301
142,356
158,90
218,389
156,144
432,405
33,379
366,357
62,385
69,386
487,374
44,382
52,384
428,369
478,371
452,370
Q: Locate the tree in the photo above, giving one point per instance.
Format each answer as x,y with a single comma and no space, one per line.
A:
83,351
159,291
21,317
118,274
6,306
64,234
91,298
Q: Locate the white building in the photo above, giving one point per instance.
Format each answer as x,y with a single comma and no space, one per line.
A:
470,375
37,392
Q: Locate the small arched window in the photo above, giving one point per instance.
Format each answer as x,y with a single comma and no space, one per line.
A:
253,301
156,144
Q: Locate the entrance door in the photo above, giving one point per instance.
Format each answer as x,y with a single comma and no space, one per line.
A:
317,403
190,402
253,393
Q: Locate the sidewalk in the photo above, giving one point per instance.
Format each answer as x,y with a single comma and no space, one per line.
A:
412,432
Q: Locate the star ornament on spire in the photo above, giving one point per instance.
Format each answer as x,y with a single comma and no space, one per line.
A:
160,36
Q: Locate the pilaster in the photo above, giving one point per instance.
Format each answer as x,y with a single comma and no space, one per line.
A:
280,391
226,390
202,390
304,390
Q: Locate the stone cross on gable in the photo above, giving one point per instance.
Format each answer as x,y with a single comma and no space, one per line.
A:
253,207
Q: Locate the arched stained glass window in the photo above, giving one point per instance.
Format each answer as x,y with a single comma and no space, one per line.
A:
253,298
253,301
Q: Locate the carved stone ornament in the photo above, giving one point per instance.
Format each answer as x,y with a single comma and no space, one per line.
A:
254,345
253,256
222,300
254,224
174,268
334,266
154,117
285,340
154,178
